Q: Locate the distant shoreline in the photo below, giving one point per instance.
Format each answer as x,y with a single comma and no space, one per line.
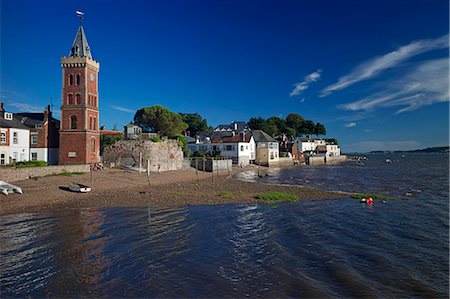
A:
119,188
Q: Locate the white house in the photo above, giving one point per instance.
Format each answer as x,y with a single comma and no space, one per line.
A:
132,131
310,146
14,139
241,148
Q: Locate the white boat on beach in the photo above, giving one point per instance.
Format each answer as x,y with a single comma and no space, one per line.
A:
7,188
75,187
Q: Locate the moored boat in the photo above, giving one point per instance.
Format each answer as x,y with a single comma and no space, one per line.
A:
76,187
7,188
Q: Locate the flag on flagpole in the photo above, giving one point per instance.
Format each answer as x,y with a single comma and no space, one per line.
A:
79,13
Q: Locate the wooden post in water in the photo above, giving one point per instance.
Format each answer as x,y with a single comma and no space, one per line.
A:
148,167
140,162
90,168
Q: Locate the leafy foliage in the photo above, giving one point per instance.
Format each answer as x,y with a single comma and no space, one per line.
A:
292,126
161,120
33,163
320,129
195,123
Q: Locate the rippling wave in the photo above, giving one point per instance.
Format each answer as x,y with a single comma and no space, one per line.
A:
334,248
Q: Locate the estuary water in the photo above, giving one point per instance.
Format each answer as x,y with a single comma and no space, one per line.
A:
330,248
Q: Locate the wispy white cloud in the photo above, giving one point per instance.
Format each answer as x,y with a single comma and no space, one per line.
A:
123,109
307,81
302,100
426,84
375,66
350,125
379,145
24,107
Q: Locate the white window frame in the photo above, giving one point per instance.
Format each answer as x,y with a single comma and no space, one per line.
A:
36,137
8,116
3,137
33,156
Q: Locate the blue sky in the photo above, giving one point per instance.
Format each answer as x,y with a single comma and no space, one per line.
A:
374,72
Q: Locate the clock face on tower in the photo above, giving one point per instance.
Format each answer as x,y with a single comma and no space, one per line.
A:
92,77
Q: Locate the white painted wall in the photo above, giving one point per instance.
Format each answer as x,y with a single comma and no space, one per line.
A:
21,149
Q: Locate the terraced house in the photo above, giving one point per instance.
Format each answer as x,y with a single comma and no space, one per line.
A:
14,139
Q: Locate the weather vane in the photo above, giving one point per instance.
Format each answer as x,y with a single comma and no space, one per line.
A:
80,14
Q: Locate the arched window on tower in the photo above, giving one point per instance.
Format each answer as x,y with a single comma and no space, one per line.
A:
93,144
95,123
77,99
70,99
78,79
73,122
90,123
70,79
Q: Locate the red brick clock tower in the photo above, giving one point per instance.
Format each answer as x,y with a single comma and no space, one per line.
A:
79,134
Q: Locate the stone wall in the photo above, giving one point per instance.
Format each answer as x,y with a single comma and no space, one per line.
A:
11,174
315,160
284,162
336,160
164,156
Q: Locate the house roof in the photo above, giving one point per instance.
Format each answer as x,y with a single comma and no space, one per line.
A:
230,139
234,126
131,125
80,46
261,136
14,123
31,119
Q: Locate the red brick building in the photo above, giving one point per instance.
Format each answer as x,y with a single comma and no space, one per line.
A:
44,135
79,133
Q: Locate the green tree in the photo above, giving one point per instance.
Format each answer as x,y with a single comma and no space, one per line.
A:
195,123
295,121
276,126
308,127
320,129
257,123
159,119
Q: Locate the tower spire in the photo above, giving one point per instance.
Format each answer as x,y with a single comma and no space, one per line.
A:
80,46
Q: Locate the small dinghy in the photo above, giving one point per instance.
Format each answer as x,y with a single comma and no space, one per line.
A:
75,187
7,188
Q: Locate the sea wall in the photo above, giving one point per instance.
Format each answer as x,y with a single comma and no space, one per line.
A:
163,156
315,160
336,160
11,174
285,162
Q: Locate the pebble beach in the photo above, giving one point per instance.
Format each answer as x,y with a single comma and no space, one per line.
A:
122,188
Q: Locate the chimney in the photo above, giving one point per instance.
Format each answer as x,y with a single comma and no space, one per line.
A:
1,107
47,113
235,125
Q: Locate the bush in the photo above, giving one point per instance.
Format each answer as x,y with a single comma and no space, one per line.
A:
198,154
33,163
